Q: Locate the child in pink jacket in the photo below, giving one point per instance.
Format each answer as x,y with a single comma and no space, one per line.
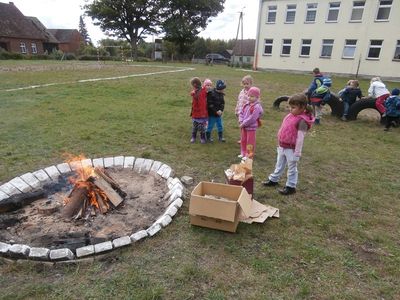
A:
249,121
290,143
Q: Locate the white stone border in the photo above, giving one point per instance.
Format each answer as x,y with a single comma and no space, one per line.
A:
30,181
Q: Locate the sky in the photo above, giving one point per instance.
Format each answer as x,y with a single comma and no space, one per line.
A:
64,14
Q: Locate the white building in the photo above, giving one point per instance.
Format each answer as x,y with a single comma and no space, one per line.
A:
343,37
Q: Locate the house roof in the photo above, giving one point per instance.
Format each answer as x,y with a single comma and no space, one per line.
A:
244,47
50,38
14,24
62,35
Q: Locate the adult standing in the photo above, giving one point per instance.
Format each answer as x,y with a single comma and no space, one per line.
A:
377,89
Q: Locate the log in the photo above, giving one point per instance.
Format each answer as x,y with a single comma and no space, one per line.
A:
102,206
18,201
107,189
103,174
76,200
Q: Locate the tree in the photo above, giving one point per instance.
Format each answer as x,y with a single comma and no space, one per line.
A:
83,31
183,19
128,19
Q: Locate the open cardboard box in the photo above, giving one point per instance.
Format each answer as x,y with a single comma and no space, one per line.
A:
218,205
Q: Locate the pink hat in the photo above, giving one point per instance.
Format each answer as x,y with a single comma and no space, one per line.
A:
207,81
254,91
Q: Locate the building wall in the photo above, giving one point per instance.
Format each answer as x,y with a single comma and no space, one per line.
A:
73,45
340,31
14,45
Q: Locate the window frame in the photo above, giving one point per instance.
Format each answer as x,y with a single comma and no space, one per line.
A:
312,9
305,45
357,8
330,9
286,45
370,47
268,44
397,50
383,6
22,47
269,11
34,48
325,44
290,10
347,45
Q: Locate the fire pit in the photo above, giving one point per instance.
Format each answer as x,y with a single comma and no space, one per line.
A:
86,207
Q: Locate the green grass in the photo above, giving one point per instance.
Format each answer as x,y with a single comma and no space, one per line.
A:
337,238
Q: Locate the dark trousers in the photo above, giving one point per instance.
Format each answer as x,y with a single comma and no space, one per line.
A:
390,121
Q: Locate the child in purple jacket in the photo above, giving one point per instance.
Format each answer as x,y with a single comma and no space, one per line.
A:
249,121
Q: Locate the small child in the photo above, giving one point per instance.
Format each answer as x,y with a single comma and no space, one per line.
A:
215,106
377,89
392,105
318,98
247,82
249,121
199,110
349,96
290,140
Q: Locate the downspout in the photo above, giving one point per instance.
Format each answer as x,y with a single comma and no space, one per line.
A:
255,62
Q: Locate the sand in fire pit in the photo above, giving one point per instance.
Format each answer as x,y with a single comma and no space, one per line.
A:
40,224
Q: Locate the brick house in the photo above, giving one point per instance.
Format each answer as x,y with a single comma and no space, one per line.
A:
27,35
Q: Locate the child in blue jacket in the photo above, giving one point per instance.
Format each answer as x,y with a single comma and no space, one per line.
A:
392,105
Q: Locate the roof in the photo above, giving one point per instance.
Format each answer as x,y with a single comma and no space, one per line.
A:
62,35
50,38
14,24
244,47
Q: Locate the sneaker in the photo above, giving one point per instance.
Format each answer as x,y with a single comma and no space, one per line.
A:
269,183
239,142
221,140
287,190
344,118
317,122
386,129
192,140
203,141
240,156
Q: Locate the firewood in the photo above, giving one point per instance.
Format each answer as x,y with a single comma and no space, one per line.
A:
76,200
107,189
102,206
103,174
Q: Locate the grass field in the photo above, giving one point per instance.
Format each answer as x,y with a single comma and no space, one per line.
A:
337,238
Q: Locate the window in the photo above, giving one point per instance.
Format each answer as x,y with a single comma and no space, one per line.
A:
383,10
34,49
290,13
305,48
349,48
357,12
311,12
22,47
333,12
397,51
268,46
271,15
327,46
375,47
286,45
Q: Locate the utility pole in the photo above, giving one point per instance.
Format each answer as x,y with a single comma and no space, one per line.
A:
240,26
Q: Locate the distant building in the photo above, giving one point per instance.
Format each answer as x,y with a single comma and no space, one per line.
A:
27,35
243,51
344,37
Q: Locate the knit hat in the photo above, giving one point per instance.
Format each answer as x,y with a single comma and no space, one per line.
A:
327,81
254,91
207,82
396,91
220,85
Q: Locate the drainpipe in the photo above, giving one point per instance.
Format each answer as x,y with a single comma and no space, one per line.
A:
255,62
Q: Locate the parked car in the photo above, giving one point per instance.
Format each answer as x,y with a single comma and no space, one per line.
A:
216,58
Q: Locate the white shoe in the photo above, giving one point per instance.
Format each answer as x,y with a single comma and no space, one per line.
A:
240,156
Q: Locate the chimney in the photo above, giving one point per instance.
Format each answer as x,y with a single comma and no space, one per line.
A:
11,3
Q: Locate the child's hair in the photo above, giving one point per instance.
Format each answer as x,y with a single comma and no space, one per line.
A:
373,79
355,83
316,71
300,100
247,79
195,82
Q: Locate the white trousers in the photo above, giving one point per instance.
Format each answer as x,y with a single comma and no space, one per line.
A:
285,157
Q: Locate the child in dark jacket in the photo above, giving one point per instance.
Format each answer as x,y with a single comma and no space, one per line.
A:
215,107
249,121
392,105
319,96
349,96
199,110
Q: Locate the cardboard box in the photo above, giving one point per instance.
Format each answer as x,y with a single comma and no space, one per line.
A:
248,184
218,205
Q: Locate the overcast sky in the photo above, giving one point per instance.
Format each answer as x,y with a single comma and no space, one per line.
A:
65,14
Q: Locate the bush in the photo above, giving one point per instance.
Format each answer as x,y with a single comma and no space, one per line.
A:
10,55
